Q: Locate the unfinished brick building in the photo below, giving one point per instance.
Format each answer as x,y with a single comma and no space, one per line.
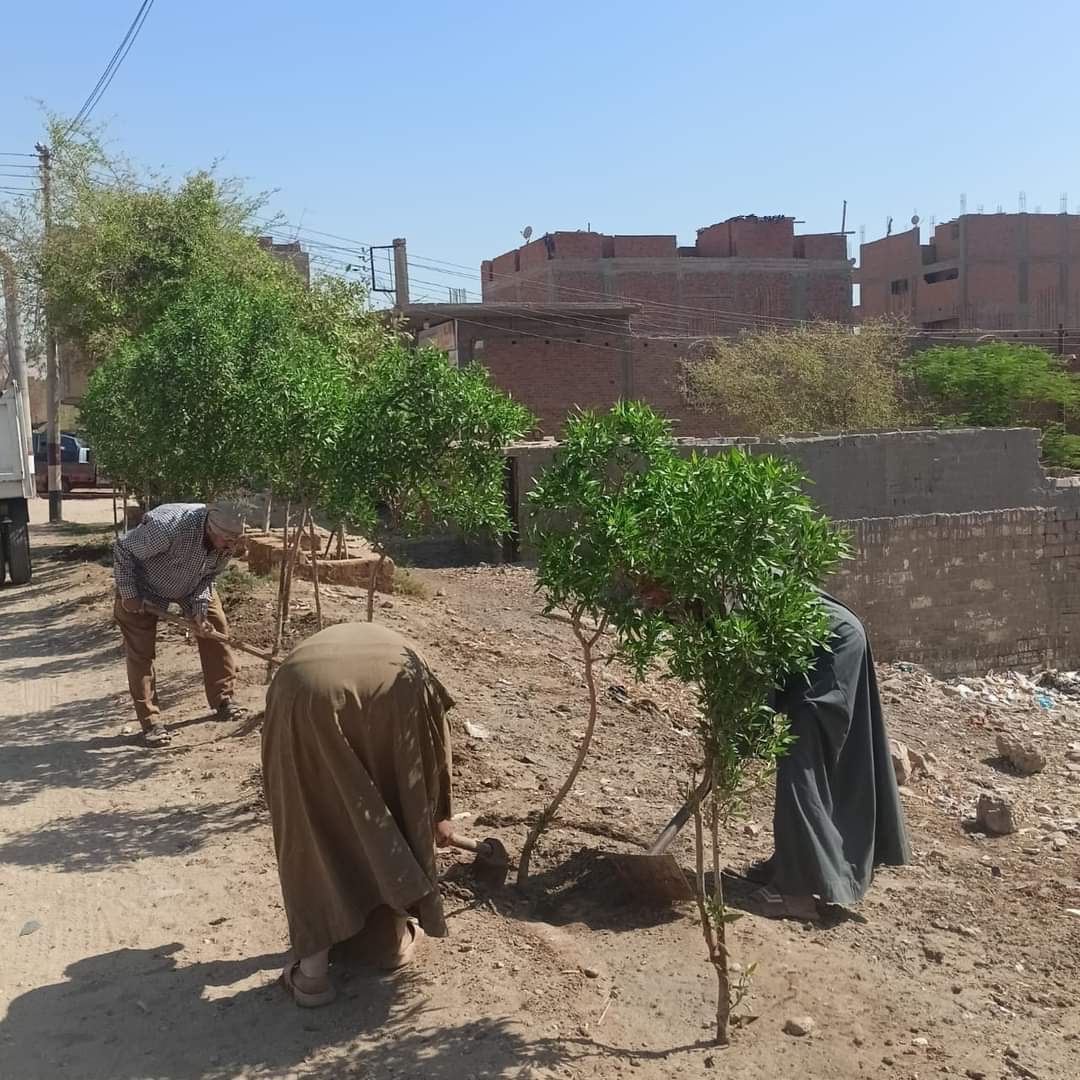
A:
558,357
737,273
579,319
981,271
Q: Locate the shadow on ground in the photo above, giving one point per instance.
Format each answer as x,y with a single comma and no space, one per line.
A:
136,1013
101,839
581,888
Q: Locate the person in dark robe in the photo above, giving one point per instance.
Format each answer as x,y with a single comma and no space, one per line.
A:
356,767
837,813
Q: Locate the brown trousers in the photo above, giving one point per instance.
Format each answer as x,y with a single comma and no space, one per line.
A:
139,631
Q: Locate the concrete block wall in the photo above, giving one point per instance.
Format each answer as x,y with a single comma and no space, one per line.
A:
967,557
966,593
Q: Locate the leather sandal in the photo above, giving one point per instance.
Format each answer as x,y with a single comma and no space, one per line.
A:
157,735
313,994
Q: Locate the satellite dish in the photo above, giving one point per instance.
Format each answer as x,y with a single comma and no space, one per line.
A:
914,219
527,233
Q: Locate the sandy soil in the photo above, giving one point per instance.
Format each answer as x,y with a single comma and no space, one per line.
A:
145,932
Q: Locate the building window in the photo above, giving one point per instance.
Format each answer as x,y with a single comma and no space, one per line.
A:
941,275
899,287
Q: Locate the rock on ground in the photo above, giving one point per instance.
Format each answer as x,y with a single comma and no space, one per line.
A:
995,815
1024,757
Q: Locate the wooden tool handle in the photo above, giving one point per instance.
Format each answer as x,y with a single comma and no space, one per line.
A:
674,826
189,624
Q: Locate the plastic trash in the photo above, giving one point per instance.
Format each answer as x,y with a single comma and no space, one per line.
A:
1044,701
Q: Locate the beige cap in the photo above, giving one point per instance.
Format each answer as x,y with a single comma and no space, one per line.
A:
225,519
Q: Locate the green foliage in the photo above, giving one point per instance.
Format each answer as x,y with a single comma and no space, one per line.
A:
711,563
236,584
740,551
1002,384
590,504
993,385
124,247
821,376
1060,448
423,442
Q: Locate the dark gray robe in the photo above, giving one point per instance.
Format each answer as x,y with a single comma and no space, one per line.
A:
838,812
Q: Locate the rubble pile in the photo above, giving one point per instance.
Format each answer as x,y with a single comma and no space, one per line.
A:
1015,768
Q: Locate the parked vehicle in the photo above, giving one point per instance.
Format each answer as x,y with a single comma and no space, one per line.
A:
16,488
77,466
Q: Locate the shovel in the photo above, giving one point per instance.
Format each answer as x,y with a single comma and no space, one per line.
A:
656,876
187,624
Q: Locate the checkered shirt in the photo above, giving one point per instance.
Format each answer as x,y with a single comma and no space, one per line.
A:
164,560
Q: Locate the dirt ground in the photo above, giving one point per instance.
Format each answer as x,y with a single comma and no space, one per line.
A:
144,927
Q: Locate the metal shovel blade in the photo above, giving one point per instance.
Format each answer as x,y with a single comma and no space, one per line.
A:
652,878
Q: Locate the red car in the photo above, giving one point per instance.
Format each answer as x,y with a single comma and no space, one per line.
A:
77,467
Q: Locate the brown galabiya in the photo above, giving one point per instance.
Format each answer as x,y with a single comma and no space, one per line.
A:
356,764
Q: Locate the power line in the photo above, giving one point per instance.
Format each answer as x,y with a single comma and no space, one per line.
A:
112,67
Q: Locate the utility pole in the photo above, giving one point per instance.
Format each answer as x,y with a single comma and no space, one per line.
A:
16,354
52,360
401,275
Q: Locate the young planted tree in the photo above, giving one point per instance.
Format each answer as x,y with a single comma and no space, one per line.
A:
821,376
710,564
589,504
736,556
423,448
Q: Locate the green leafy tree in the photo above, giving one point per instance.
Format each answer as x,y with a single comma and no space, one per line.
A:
1002,384
590,505
710,564
821,376
422,447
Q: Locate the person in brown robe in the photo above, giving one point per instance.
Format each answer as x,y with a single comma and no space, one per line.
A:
356,766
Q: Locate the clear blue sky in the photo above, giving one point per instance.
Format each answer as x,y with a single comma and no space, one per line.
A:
455,125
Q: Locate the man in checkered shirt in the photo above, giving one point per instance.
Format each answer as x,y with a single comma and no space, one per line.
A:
173,556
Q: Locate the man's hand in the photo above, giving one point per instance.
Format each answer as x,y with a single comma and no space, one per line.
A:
132,606
444,833
202,627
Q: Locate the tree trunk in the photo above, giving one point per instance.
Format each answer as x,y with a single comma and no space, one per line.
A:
294,554
712,930
266,511
547,815
720,960
315,568
115,519
125,511
279,621
372,583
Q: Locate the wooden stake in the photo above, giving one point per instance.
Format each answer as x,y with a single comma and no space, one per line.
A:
315,568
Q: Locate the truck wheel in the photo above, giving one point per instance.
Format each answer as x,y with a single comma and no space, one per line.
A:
16,536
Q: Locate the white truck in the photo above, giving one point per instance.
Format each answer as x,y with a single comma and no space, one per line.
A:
16,489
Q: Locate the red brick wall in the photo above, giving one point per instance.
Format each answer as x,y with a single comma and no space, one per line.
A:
578,245
715,241
821,246
552,369
763,239
630,247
